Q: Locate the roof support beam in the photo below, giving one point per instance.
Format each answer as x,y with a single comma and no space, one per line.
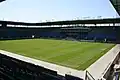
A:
116,5
2,0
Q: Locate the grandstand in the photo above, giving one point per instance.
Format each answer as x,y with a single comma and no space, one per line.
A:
100,37
97,33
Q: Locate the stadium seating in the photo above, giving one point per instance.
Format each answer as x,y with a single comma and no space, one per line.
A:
102,34
96,34
14,69
69,77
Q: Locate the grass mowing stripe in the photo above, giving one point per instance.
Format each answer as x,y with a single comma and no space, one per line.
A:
78,55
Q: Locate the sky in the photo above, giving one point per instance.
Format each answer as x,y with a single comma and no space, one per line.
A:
55,10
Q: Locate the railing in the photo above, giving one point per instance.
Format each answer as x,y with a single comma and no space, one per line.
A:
88,76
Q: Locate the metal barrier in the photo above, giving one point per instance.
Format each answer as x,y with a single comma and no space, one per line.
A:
88,76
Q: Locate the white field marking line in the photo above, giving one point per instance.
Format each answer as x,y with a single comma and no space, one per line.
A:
75,58
90,57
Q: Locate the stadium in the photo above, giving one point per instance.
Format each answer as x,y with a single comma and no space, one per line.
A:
61,50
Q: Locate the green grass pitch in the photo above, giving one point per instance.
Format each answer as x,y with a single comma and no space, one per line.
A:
73,54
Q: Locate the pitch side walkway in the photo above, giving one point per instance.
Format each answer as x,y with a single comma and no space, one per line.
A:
99,68
61,70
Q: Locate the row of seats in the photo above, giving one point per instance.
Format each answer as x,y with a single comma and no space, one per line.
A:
93,33
19,70
102,33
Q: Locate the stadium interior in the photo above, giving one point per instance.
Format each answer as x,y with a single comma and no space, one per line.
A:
79,31
96,30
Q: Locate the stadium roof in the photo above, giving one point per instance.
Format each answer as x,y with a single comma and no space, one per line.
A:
2,0
92,21
116,4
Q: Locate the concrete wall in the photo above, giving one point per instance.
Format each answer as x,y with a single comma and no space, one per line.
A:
102,67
